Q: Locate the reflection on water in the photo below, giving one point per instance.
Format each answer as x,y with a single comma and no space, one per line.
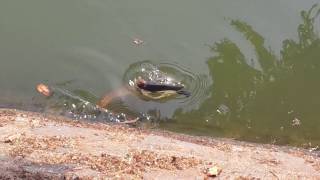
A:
264,104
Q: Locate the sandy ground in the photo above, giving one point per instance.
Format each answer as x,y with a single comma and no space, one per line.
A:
38,146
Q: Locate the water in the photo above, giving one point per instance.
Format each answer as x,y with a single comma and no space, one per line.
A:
253,67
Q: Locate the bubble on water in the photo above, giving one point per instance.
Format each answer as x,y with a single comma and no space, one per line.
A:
223,109
131,83
296,122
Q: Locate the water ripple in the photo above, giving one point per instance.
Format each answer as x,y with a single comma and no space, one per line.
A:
197,84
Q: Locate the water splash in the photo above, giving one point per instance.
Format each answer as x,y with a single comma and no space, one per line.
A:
67,103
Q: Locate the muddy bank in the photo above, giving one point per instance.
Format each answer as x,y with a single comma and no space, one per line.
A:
34,145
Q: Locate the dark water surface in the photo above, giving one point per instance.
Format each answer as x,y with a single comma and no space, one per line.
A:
253,66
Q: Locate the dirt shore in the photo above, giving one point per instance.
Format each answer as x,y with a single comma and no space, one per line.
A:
38,146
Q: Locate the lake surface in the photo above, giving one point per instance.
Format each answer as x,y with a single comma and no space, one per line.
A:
253,66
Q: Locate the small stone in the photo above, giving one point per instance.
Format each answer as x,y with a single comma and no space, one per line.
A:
35,123
12,138
213,171
75,177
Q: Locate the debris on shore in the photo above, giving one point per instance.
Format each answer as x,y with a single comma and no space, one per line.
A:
34,145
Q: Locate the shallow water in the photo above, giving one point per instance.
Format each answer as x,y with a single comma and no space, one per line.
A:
253,67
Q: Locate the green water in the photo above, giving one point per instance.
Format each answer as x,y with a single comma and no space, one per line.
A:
258,63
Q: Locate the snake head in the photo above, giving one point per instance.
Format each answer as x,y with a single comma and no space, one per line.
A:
140,82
